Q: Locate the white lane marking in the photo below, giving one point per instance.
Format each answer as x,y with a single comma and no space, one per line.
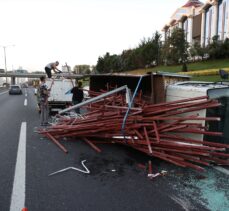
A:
4,92
25,102
18,192
25,94
221,169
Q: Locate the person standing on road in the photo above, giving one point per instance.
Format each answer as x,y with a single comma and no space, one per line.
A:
44,94
77,96
52,66
38,99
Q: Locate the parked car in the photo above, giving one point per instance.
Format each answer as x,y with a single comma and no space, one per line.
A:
15,89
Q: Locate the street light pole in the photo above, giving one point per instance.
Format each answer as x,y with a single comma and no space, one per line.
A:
4,48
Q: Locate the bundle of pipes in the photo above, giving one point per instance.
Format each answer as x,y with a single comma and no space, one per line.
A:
154,129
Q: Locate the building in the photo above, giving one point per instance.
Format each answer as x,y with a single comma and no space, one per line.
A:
215,20
188,17
201,21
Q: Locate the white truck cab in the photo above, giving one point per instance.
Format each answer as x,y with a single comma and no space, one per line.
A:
60,95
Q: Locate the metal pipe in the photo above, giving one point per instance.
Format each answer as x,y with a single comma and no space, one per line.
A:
57,142
94,99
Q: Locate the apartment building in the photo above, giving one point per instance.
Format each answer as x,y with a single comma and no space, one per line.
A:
187,17
215,20
201,21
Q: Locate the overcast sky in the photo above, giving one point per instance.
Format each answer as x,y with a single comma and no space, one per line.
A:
76,31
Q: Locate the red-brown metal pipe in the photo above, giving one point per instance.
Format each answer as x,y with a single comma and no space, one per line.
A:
57,142
92,145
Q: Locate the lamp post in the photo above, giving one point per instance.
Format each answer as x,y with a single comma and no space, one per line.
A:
4,48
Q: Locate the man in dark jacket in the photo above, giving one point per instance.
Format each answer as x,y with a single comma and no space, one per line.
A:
77,96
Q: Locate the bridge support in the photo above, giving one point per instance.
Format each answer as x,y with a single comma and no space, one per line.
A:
13,79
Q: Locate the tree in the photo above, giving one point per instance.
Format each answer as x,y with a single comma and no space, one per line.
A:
146,54
100,66
149,50
176,47
201,51
82,69
225,48
193,51
215,48
197,51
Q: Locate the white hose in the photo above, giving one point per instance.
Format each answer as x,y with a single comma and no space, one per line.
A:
86,171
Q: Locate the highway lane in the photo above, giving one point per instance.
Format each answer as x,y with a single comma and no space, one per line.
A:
12,113
115,181
102,189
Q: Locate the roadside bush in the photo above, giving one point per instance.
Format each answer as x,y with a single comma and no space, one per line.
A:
215,48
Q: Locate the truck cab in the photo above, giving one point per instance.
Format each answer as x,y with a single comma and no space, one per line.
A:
60,95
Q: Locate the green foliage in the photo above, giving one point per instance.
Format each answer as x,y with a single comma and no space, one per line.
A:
129,60
197,51
211,78
184,67
195,66
218,49
201,65
82,69
175,49
145,55
215,48
225,48
100,66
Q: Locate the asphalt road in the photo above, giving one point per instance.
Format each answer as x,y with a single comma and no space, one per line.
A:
115,181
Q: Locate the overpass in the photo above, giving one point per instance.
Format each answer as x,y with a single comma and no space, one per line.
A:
38,75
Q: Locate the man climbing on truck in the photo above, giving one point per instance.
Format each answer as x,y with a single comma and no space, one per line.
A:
52,66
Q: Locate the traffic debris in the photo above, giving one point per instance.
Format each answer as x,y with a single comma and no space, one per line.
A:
153,129
86,171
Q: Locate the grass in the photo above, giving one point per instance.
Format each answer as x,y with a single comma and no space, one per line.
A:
210,78
196,66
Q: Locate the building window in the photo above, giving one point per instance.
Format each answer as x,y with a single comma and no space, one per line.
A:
226,22
220,18
223,19
208,25
185,28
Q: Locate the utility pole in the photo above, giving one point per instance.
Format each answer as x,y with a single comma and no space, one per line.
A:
4,48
